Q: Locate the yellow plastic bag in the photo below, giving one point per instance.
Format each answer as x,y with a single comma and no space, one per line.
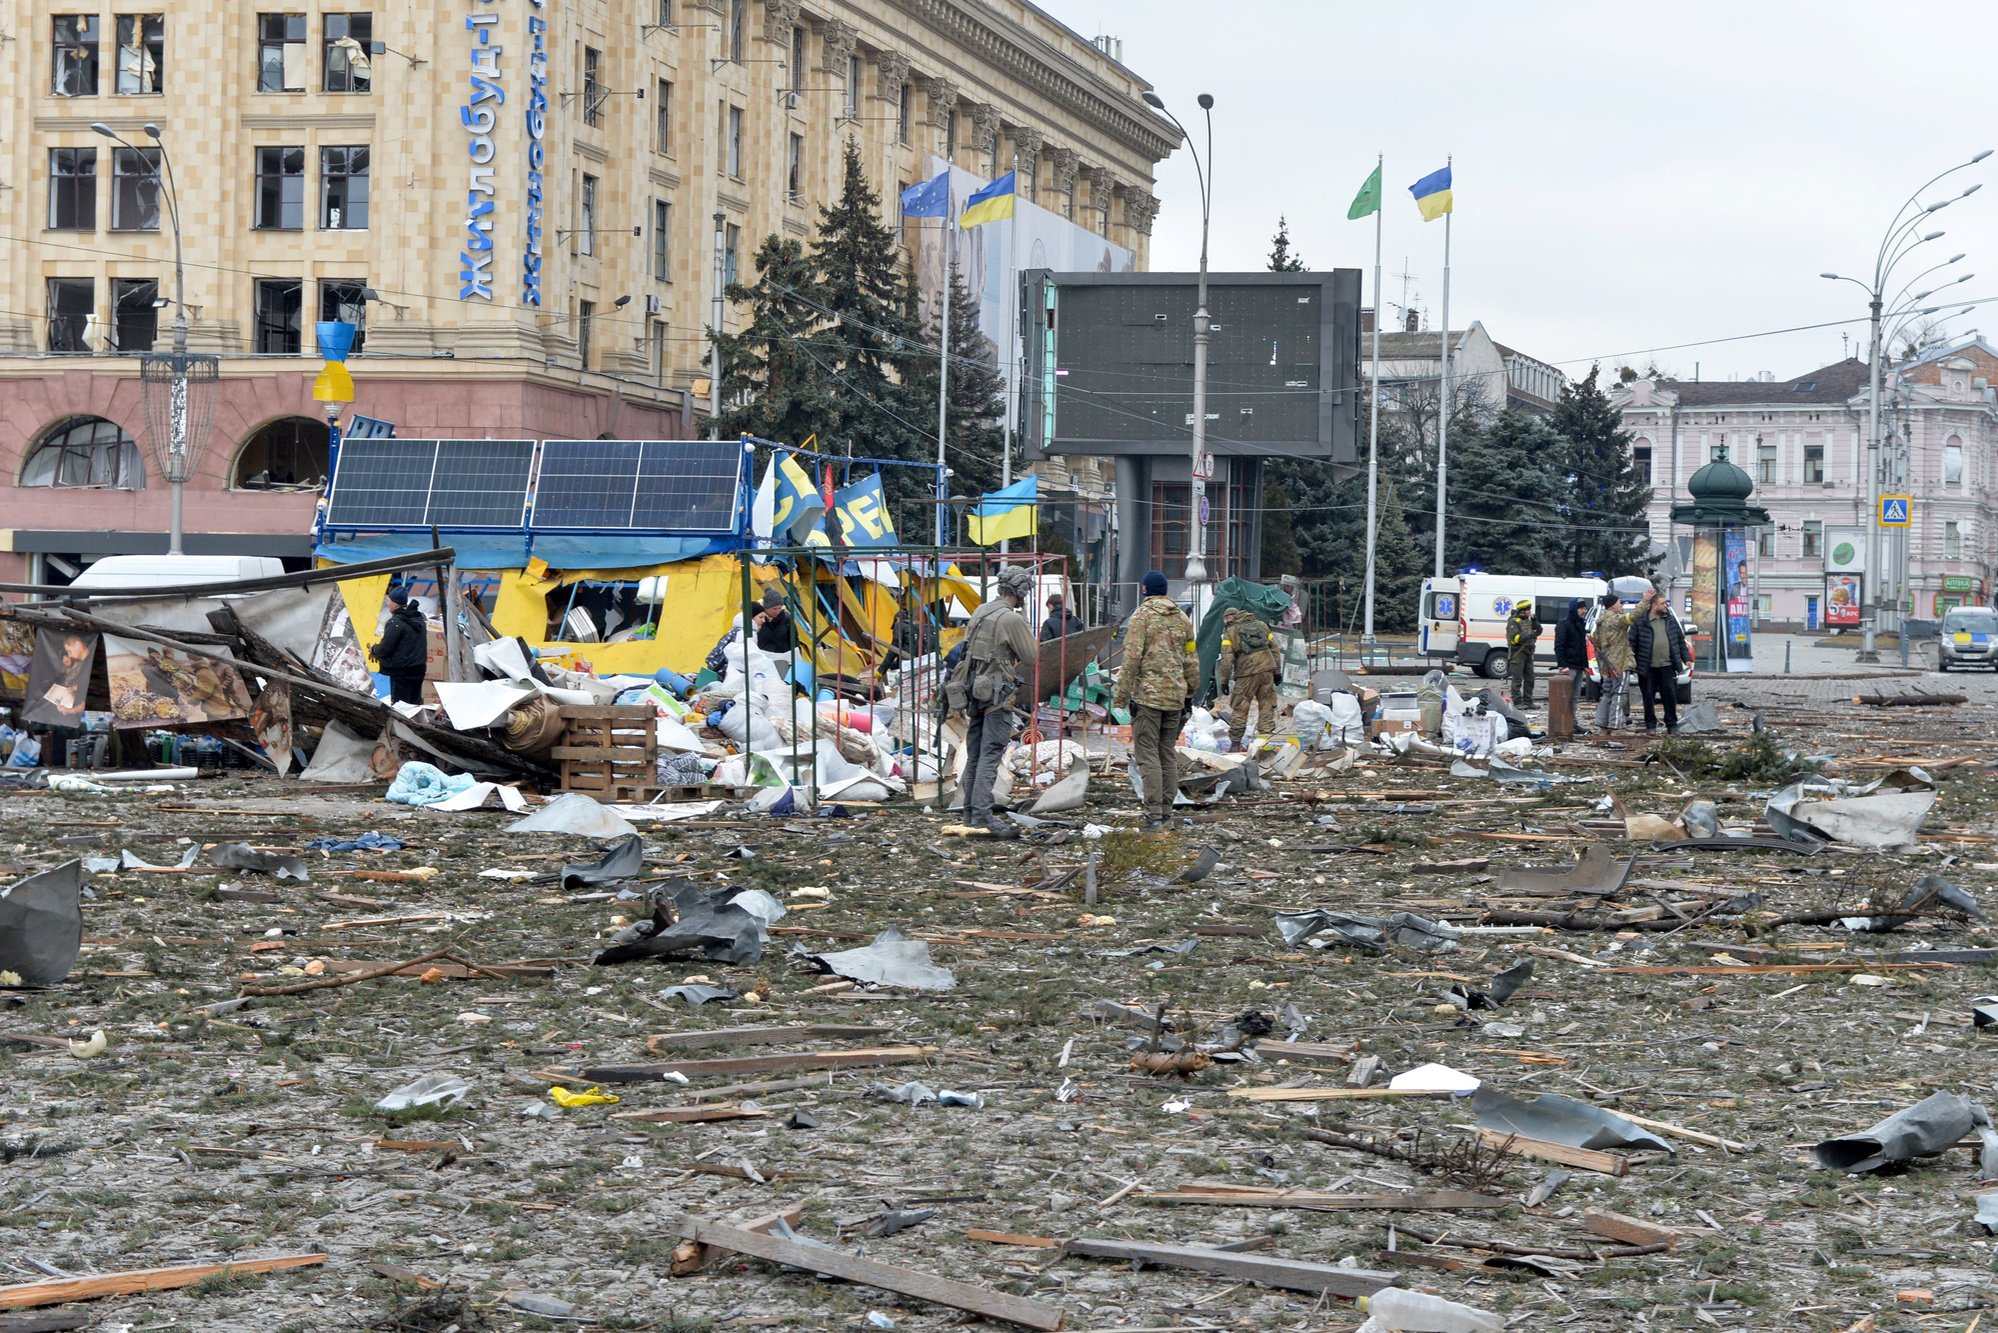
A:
570,1100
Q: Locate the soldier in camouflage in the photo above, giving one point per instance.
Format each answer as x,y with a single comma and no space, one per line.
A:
999,651
1522,639
1247,672
1156,683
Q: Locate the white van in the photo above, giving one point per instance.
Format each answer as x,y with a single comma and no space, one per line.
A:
1463,617
124,572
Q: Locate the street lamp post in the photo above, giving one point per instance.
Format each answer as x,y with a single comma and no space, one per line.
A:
1895,245
1203,336
177,464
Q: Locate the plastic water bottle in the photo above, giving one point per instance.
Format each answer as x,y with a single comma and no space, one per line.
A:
1400,1311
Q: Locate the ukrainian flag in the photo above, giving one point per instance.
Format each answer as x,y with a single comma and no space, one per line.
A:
994,203
798,505
1432,195
1010,511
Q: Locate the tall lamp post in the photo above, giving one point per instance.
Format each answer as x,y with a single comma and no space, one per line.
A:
1898,242
177,424
1203,335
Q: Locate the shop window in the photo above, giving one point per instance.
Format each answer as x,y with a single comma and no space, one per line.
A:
85,451
289,452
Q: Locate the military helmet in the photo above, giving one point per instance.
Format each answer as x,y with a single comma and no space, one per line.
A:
1016,581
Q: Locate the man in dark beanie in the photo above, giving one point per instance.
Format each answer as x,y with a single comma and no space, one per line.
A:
404,648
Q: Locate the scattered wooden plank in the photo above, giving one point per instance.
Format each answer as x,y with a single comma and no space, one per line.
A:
1588,1159
1268,1270
1302,1050
1363,1071
957,1295
397,1273
1320,1201
1757,969
751,1064
59,1291
1690,1135
759,1036
1329,1094
1628,1230
1910,700
690,1256
445,971
691,1115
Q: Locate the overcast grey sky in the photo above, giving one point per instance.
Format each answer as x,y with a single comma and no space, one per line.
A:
1627,176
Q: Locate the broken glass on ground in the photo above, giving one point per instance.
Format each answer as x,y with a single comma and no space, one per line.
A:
1923,1130
1319,929
41,925
687,919
430,1090
1552,1118
893,959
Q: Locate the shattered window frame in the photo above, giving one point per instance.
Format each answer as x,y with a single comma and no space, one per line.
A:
297,447
280,314
343,187
141,53
345,66
281,42
72,189
72,307
135,314
85,453
135,189
74,71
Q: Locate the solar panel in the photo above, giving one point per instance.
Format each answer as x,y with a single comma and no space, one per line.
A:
620,485
417,483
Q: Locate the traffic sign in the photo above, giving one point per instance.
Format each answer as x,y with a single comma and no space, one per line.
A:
1895,509
1205,469
1205,512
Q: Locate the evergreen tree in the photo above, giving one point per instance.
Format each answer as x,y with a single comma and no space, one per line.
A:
861,287
1508,497
777,377
1283,259
1279,549
1607,534
974,435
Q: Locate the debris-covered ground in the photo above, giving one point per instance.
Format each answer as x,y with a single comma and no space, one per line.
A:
208,1131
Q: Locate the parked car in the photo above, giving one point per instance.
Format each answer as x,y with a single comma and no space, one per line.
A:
1969,638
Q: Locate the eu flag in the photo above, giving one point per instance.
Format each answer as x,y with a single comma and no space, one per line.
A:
928,199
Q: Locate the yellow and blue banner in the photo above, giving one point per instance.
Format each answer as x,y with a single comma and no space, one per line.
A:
863,514
796,506
1433,195
1011,511
994,203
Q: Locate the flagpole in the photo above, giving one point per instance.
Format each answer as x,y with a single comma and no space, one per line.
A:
943,358
1374,417
1011,348
1443,407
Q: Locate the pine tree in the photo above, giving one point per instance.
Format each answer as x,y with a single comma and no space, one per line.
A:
974,435
1508,492
860,284
777,381
1282,258
1279,549
1608,534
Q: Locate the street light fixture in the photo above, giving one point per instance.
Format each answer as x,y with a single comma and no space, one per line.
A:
177,372
1894,246
1203,333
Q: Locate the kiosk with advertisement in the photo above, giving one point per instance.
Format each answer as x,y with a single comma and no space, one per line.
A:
1720,516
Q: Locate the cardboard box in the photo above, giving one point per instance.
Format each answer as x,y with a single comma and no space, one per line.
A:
1386,726
1473,736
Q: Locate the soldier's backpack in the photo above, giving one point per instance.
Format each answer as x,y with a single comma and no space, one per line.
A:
1251,636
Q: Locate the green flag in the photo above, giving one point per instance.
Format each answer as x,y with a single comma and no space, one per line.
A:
1368,200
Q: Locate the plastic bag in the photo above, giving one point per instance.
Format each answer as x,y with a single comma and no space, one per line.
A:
27,753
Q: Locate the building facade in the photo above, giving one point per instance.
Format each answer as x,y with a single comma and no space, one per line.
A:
526,205
1803,441
1484,375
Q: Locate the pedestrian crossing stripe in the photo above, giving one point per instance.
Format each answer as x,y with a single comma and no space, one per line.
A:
1894,510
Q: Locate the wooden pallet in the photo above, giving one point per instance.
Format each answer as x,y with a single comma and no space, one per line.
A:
610,752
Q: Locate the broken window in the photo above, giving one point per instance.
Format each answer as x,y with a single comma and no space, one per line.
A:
594,92
72,189
85,451
280,53
141,53
1952,462
135,314
72,314
135,189
345,301
280,189
586,313
76,38
343,189
279,302
347,67
586,227
290,451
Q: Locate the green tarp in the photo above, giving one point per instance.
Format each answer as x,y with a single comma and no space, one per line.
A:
1264,601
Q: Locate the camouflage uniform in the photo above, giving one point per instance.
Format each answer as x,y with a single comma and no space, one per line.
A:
1156,682
1614,663
1253,671
1522,637
998,652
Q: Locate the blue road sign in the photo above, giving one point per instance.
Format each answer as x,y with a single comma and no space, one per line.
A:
1894,510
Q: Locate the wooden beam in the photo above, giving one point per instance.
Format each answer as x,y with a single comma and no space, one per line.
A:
58,1291
996,1305
752,1064
1628,1230
759,1036
1267,1270
690,1115
1322,1202
1589,1159
1330,1094
690,1256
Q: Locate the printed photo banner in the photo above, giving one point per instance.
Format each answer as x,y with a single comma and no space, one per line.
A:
17,650
156,686
59,677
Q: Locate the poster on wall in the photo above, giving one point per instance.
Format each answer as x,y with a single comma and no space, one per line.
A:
1842,599
155,686
1734,570
270,723
1703,622
59,677
17,651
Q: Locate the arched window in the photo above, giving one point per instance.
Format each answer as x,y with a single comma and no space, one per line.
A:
286,454
85,451
1952,461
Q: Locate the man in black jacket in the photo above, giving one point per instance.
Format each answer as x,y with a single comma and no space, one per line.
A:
775,632
1571,652
1660,647
404,648
1061,622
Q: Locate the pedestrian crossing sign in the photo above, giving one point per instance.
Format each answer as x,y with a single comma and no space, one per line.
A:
1894,510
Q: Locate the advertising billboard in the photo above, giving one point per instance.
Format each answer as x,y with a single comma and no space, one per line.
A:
1843,596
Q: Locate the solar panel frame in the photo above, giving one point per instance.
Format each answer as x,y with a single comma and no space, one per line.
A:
417,483
639,486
